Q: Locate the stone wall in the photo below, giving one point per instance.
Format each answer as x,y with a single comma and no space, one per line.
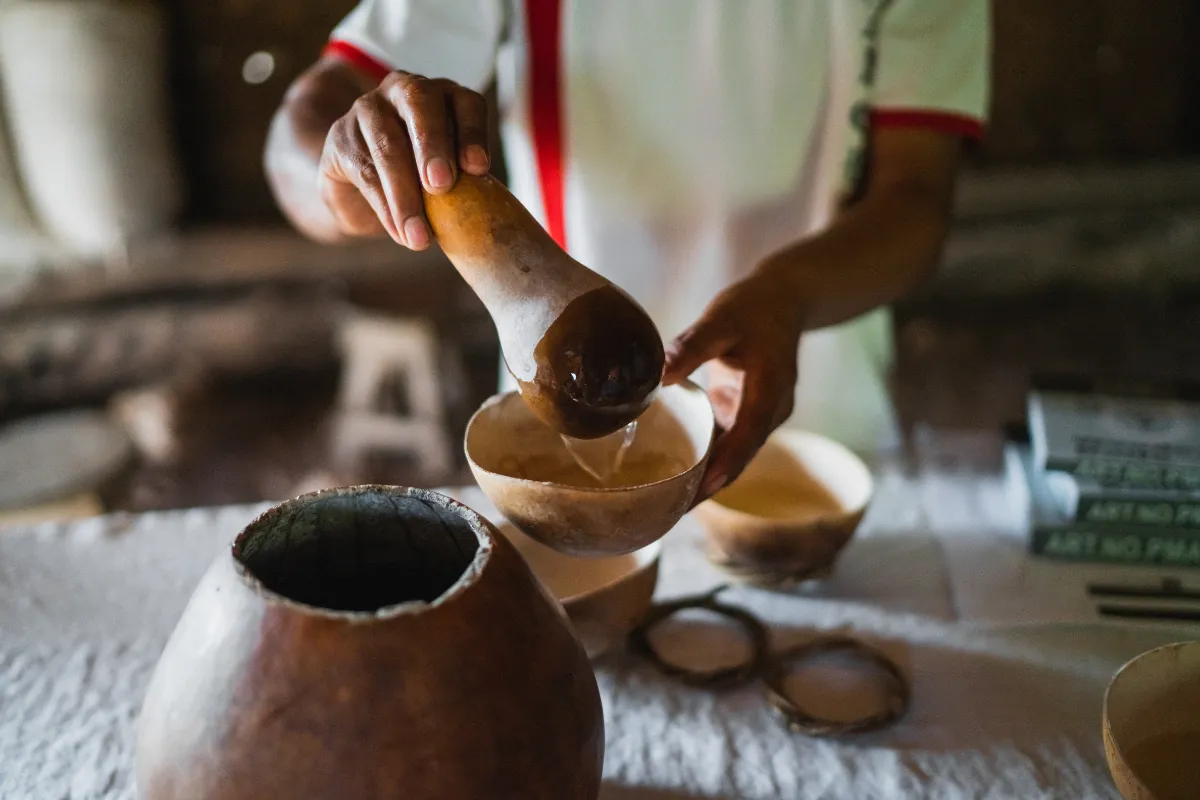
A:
1136,225
1086,81
1090,171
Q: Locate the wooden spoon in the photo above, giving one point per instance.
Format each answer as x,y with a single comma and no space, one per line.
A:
586,356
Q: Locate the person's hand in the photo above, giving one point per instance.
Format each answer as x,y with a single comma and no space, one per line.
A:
750,333
410,132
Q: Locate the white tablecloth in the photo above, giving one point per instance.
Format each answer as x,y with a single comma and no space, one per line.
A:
999,711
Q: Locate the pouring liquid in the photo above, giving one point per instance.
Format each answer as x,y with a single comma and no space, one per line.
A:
602,458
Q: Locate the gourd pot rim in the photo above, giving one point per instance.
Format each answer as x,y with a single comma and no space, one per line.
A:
699,463
470,575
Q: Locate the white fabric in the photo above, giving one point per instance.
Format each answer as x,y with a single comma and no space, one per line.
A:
999,712
934,56
702,136
453,39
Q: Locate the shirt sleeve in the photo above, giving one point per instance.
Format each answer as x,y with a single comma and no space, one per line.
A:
455,39
933,65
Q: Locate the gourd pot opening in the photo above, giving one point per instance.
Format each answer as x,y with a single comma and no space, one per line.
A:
366,552
373,642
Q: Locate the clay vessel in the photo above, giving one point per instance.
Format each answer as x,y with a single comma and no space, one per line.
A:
372,643
586,356
605,598
1152,724
790,513
523,468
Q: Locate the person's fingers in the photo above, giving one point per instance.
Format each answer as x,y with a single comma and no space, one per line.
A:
347,169
709,338
757,416
471,127
351,211
391,151
424,107
724,395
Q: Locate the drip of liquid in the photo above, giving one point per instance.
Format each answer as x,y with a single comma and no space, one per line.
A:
624,459
1169,764
602,458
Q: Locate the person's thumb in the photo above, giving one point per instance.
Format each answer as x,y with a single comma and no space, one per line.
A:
702,342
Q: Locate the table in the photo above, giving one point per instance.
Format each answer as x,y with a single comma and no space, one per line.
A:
999,711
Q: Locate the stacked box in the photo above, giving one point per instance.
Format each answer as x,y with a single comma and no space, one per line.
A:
1110,479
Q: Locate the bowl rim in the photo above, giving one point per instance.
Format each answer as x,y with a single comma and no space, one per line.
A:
701,460
788,436
1128,665
1115,751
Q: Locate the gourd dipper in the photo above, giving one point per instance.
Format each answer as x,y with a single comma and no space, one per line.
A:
586,356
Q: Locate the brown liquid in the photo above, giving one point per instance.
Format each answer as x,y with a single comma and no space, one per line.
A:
1169,765
779,500
597,365
638,469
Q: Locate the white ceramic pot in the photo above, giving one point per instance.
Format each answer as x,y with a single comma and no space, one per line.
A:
85,87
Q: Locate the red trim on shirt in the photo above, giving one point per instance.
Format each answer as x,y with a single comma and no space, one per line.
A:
367,63
943,121
544,18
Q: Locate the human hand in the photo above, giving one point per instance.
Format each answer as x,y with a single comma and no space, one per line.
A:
750,333
409,133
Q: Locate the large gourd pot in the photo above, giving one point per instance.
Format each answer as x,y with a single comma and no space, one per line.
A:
371,643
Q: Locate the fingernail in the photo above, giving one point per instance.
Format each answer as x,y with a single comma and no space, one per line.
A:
416,232
476,157
439,174
715,484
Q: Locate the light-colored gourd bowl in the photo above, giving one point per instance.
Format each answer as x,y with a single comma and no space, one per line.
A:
605,598
790,512
1155,695
520,464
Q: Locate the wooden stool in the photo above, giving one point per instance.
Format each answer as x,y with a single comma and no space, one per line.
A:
385,357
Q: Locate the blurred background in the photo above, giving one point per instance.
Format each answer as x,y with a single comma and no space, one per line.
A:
167,341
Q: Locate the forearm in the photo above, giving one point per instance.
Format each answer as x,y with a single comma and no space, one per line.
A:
296,139
872,255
